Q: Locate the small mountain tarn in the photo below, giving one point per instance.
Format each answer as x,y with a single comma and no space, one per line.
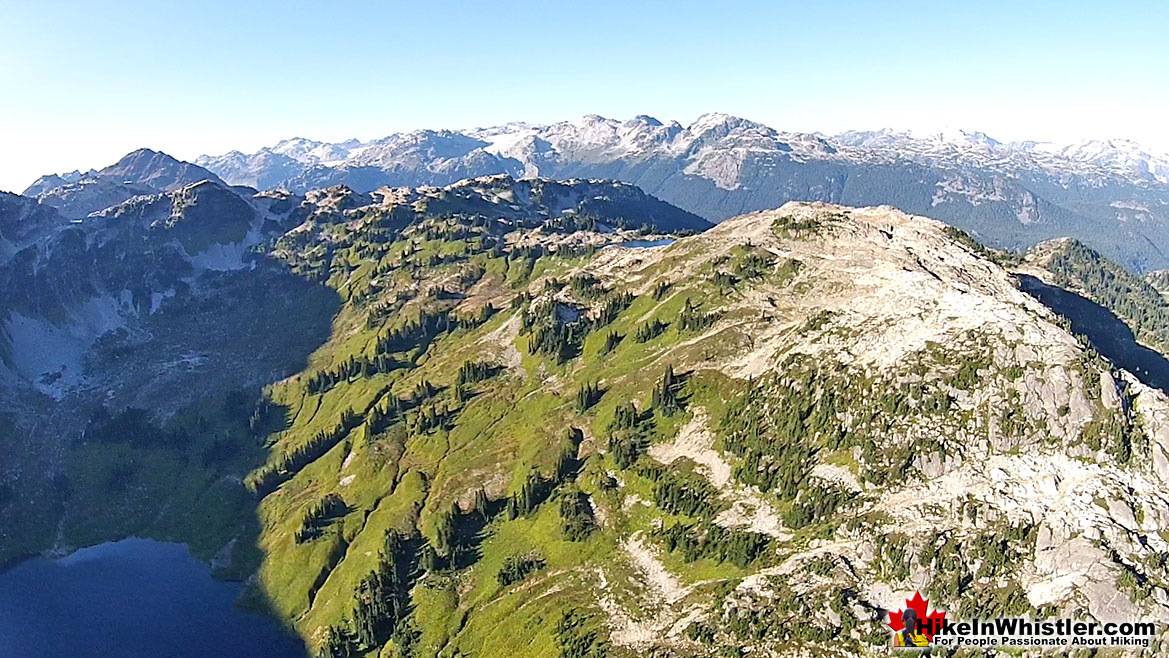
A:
1106,332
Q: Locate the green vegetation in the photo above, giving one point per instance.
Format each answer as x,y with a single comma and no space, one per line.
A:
516,568
577,516
578,636
707,540
789,226
1137,302
629,433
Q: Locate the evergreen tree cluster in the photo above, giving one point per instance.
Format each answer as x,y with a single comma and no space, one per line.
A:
415,333
814,504
558,330
552,335
629,434
382,415
612,340
474,371
587,395
680,492
586,286
1134,299
611,307
576,515
517,567
650,330
325,380
318,515
692,319
723,280
660,289
382,599
777,432
457,533
709,540
571,223
429,325
381,310
753,263
428,418
577,637
536,488
336,644
665,393
533,491
266,417
265,480
391,408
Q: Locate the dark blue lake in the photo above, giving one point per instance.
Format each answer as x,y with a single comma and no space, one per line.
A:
130,599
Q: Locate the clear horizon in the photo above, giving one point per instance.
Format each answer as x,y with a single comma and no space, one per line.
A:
230,77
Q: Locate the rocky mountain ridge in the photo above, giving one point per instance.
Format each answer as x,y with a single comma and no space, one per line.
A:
139,173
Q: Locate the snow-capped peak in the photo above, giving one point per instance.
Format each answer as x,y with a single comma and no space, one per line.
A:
959,136
310,151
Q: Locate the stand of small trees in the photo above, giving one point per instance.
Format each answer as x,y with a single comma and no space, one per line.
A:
628,434
611,308
708,540
325,380
265,480
650,330
383,596
681,493
587,395
317,516
586,286
414,333
560,338
474,371
665,393
517,567
428,326
578,637
337,644
576,516
612,340
692,319
660,289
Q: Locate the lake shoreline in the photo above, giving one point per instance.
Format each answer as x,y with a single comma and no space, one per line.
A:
135,597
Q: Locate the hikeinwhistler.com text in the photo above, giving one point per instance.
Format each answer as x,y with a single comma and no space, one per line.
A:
1023,632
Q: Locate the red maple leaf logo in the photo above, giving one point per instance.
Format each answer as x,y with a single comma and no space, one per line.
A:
930,623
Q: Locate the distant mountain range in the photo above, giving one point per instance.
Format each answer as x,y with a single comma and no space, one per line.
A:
1113,195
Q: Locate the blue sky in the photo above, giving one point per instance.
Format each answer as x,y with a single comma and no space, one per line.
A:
85,82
